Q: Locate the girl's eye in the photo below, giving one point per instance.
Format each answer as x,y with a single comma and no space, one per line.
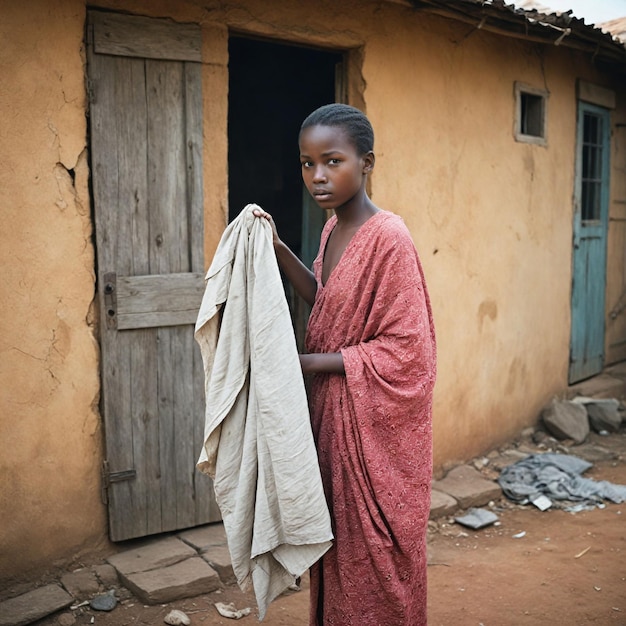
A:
306,164
334,161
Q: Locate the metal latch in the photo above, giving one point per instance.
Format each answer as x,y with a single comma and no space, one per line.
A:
110,299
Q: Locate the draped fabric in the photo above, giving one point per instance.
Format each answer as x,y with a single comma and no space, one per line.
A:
373,428
258,445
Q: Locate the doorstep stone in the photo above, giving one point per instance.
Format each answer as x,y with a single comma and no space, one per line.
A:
186,579
152,555
468,487
218,557
203,537
34,605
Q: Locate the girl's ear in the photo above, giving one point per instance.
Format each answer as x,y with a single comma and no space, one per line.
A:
368,162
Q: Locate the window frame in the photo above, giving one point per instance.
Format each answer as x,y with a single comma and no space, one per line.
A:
521,89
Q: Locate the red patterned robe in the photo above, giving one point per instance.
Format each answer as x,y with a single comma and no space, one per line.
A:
373,428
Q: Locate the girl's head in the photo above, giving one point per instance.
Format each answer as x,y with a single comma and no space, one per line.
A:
353,122
336,155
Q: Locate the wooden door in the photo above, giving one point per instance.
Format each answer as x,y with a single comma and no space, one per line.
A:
590,241
146,146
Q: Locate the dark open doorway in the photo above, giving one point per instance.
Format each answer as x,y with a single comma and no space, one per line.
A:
272,88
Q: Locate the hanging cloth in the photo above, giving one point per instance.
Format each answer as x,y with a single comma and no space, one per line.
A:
258,444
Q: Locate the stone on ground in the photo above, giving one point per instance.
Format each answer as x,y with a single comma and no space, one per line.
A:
508,457
441,504
218,557
604,415
153,555
468,487
33,605
106,574
203,537
566,420
186,579
82,583
593,453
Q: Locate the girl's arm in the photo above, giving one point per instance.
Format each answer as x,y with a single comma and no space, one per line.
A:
300,276
326,363
303,281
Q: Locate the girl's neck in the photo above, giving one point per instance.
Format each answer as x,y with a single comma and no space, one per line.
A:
356,214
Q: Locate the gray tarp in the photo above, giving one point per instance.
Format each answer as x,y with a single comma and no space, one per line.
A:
559,477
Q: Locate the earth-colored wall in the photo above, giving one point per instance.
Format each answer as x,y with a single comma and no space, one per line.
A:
50,427
492,219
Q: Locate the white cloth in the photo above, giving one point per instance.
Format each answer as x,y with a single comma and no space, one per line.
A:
258,443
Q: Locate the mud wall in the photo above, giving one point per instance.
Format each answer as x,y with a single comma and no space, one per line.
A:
50,505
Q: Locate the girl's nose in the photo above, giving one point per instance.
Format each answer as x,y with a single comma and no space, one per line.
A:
318,175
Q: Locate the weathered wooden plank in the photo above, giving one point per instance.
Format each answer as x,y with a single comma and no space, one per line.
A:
167,381
149,38
159,300
115,367
193,133
145,514
170,221
129,202
182,400
169,251
202,494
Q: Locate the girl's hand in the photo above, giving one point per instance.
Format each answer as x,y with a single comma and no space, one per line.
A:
268,217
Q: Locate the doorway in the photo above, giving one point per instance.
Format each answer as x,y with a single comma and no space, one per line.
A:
272,88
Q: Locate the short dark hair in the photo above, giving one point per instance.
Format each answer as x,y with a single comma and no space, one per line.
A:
353,121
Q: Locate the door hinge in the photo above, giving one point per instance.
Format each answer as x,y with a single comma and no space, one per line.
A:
89,85
109,477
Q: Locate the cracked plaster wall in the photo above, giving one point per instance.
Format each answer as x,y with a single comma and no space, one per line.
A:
49,422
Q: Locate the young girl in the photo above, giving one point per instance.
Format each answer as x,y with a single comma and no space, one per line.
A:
371,351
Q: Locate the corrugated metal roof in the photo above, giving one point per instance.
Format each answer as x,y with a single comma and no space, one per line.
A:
534,21
616,27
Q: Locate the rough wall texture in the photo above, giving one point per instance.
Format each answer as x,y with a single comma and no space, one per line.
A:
492,219
489,214
49,423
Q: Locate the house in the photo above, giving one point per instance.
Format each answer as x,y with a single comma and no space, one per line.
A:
132,130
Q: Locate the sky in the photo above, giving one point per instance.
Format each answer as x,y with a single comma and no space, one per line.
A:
592,11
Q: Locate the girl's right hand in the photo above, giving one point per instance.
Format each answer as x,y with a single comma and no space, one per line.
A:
261,213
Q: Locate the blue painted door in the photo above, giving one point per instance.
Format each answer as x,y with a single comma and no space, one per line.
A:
590,239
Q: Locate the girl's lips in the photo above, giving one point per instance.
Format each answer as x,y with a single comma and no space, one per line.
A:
321,195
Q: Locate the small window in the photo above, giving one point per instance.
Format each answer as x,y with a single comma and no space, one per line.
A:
530,114
591,167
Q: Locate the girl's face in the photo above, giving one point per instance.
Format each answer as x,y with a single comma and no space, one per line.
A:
332,170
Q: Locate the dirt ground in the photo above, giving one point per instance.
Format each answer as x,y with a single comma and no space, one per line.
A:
567,568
